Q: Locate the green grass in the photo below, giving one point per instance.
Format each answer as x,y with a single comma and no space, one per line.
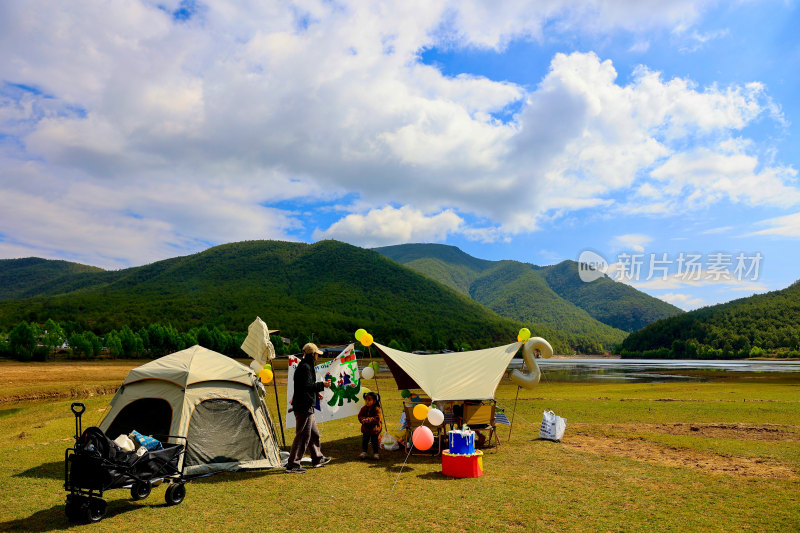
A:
529,484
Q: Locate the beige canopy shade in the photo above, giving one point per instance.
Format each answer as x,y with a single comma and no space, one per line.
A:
470,375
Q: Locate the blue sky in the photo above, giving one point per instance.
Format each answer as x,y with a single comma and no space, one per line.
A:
529,130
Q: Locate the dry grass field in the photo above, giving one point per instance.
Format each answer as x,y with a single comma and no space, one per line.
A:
716,456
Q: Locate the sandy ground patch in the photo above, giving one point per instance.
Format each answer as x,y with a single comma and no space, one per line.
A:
641,450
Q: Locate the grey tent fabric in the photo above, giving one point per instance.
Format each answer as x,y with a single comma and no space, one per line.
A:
215,402
222,431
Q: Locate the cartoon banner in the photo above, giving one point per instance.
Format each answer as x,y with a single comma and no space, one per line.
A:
342,399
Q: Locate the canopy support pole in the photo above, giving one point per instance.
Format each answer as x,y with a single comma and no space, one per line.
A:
278,403
378,390
513,412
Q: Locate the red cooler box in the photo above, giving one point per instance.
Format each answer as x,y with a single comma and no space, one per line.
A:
455,465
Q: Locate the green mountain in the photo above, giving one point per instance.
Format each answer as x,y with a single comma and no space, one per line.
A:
739,328
22,277
613,303
601,311
329,289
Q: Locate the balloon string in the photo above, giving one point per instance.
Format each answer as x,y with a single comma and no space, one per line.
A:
404,465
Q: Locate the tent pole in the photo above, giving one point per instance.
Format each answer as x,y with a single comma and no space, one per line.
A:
513,412
378,390
278,403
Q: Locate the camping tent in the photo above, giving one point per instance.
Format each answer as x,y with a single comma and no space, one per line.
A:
212,400
470,375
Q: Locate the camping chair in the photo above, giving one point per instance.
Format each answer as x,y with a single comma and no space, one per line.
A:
481,416
413,423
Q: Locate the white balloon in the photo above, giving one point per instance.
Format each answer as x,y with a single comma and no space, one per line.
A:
256,366
435,417
367,372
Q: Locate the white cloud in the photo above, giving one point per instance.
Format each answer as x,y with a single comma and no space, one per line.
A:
632,241
684,301
785,226
715,231
389,225
173,135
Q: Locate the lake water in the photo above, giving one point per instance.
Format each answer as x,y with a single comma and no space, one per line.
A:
662,370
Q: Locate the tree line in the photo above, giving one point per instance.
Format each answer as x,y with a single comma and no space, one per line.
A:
31,341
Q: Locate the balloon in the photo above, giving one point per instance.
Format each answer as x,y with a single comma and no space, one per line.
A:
365,390
359,333
531,377
367,373
422,438
524,334
435,417
519,339
366,339
375,366
405,393
268,367
265,375
256,366
420,411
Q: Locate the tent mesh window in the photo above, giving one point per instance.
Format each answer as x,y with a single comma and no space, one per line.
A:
148,416
223,431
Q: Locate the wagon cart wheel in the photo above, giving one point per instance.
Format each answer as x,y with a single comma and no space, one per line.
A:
175,493
141,490
93,510
73,507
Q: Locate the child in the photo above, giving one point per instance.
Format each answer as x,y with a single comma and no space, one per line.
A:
370,418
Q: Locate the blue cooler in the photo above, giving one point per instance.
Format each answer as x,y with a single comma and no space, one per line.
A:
462,442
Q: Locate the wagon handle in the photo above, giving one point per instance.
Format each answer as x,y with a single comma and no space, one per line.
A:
77,409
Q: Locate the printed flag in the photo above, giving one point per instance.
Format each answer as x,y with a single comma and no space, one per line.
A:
342,399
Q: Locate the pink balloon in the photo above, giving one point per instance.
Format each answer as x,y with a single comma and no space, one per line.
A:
422,438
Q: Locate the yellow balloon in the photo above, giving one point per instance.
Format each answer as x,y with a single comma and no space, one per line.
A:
366,339
359,333
265,375
524,334
519,338
420,411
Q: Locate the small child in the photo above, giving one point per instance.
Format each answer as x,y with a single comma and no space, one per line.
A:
370,418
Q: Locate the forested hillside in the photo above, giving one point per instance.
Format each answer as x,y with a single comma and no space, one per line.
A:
329,289
741,328
613,303
594,315
22,277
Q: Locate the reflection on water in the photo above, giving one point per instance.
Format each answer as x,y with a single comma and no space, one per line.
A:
658,370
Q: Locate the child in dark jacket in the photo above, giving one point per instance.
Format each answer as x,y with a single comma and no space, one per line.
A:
370,418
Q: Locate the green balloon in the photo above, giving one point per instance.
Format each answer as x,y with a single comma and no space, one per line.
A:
524,334
359,333
375,366
405,393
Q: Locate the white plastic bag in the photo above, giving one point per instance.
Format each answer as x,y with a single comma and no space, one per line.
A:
553,426
125,442
388,442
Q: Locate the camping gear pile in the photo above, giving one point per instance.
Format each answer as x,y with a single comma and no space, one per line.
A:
97,464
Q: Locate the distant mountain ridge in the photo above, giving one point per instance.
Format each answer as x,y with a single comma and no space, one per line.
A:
328,289
552,295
